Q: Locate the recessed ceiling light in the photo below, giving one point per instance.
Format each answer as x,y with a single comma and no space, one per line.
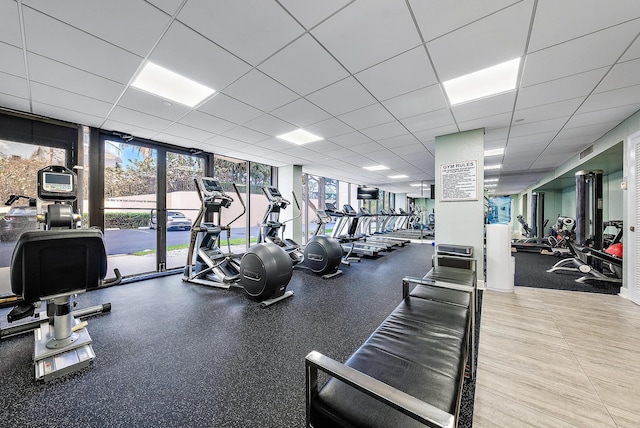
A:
419,185
483,83
491,180
494,152
490,185
167,84
489,167
375,167
299,136
395,177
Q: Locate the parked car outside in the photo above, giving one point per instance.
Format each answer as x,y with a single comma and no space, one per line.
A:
17,220
175,221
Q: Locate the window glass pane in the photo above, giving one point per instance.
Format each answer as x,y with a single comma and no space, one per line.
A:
19,165
130,183
183,204
231,171
260,175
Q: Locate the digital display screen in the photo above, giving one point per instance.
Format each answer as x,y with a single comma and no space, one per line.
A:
367,193
54,182
274,192
211,185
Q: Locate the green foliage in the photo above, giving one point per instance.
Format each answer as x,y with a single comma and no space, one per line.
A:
126,220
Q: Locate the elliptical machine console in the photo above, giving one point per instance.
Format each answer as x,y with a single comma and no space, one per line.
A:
264,271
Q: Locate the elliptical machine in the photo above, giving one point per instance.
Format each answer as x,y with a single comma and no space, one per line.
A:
271,227
264,271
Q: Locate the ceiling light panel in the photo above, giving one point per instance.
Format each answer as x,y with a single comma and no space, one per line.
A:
299,136
395,177
483,83
375,168
494,152
490,167
165,83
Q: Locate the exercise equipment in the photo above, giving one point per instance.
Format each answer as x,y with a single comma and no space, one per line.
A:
271,228
350,244
263,272
535,241
52,266
323,254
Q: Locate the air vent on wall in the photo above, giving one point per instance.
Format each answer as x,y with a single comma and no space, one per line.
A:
586,152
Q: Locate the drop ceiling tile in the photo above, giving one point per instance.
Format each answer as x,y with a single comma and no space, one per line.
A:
60,113
144,102
223,142
589,133
135,31
188,53
499,134
178,140
13,102
14,86
168,6
629,96
547,111
497,38
565,88
246,135
56,74
633,52
366,148
417,102
311,12
485,107
127,128
488,123
432,120
575,18
438,18
10,28
274,144
372,115
428,137
324,147
304,66
230,109
384,28
206,122
260,91
68,101
253,29
342,97
409,149
301,113
397,141
137,119
601,116
270,125
620,76
12,60
528,142
399,75
60,42
543,126
329,129
387,130
586,53
188,132
351,139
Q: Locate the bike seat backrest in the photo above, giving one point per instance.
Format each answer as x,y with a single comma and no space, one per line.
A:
54,262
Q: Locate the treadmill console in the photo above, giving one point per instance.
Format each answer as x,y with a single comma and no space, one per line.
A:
209,185
348,209
323,216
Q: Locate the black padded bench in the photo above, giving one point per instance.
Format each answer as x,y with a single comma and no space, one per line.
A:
409,372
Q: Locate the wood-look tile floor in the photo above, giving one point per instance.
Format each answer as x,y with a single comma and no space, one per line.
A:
551,358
